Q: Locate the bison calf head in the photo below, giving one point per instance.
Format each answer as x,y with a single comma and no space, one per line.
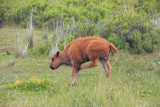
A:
56,61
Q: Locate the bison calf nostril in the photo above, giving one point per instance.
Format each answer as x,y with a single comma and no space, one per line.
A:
51,67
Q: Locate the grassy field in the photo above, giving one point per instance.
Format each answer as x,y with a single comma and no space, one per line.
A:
134,82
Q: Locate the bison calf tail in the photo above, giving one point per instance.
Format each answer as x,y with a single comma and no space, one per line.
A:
113,47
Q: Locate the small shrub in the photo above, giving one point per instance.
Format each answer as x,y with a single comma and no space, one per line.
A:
44,48
67,39
147,46
37,84
113,38
33,84
135,39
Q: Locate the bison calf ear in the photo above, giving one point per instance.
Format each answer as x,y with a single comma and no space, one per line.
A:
57,54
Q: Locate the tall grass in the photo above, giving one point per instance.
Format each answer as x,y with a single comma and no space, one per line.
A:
138,88
21,48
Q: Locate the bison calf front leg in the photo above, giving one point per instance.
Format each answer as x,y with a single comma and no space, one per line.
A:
92,64
74,74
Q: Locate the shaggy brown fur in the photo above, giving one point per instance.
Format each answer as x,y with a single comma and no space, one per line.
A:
83,50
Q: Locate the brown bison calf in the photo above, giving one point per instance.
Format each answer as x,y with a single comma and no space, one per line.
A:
83,50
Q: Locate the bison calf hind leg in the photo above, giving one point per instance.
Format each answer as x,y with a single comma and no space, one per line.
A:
107,67
90,65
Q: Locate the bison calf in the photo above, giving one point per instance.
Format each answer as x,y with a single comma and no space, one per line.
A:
83,50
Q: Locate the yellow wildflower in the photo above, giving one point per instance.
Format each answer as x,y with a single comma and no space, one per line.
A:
17,82
9,83
66,84
25,85
60,91
48,86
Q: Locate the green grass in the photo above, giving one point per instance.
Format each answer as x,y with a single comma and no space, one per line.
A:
140,87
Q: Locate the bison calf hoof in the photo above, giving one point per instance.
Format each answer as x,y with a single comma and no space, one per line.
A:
73,84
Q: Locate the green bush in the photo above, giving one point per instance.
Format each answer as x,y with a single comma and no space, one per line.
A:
113,38
42,50
64,41
127,24
132,30
147,46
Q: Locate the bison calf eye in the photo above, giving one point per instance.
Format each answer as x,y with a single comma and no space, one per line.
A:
52,59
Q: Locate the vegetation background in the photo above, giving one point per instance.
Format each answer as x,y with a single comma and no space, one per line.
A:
33,30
